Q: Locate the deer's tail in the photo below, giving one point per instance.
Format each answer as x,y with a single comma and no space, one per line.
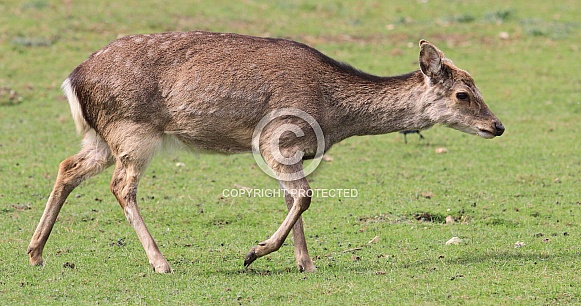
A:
80,123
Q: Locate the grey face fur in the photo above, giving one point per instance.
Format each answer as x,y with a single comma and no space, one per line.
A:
208,91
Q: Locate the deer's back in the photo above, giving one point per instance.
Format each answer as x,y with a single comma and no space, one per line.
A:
197,85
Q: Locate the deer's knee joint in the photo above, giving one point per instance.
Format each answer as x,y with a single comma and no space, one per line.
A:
117,186
304,202
300,198
70,173
67,167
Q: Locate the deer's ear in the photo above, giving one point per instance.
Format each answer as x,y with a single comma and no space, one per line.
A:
430,59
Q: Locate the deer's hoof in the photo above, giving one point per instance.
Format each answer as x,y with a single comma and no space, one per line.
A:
307,267
36,262
162,267
34,258
250,257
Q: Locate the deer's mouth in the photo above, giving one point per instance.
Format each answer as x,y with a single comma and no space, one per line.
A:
496,130
485,134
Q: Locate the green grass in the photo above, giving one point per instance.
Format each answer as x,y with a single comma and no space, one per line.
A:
524,186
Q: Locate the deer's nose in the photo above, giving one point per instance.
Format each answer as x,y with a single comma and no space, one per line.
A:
499,128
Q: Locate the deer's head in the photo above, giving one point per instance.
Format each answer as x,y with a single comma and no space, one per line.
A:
452,98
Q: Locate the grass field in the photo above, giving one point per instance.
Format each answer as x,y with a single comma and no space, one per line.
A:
522,187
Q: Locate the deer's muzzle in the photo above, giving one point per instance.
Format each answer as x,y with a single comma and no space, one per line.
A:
499,128
496,129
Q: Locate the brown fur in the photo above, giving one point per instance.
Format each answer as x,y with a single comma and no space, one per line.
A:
209,91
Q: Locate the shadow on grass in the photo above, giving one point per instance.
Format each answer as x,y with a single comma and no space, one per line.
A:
514,258
505,257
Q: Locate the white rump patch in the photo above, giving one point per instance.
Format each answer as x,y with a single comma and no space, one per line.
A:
80,122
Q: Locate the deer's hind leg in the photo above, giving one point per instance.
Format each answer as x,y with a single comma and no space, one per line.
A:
133,153
91,160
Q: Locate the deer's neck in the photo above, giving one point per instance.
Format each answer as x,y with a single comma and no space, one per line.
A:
368,105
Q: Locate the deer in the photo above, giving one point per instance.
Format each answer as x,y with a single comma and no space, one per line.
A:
208,91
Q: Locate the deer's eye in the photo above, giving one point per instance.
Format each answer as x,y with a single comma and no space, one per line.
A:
462,96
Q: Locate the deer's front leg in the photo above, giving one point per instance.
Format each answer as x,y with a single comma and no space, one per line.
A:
304,262
299,192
